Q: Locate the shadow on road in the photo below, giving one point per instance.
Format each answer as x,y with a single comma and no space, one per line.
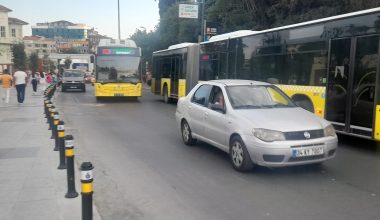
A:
118,100
260,170
359,143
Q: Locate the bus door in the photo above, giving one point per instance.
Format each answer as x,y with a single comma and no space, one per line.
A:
174,76
351,87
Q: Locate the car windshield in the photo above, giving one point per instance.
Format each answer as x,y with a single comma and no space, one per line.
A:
117,69
250,96
73,74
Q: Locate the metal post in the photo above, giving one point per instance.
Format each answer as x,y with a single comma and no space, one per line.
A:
69,146
86,180
203,21
61,145
118,15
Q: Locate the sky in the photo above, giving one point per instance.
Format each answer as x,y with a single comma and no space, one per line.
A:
100,14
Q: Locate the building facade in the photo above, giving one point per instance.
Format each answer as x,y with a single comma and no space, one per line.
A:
94,38
40,45
10,33
60,30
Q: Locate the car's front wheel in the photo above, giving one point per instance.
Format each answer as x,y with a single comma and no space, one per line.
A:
186,134
241,161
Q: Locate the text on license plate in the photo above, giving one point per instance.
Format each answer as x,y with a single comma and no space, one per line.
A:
118,94
304,152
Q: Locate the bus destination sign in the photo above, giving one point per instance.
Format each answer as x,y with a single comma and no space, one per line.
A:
117,51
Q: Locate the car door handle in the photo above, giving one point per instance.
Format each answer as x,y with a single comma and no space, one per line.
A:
189,106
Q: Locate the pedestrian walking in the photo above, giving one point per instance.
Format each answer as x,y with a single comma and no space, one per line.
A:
35,80
20,81
43,82
49,78
7,85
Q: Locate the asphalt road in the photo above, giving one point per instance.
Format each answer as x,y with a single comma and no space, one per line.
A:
144,171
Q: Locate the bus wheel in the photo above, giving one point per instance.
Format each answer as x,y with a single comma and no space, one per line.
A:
166,95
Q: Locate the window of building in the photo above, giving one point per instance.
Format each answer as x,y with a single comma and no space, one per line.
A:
13,32
2,31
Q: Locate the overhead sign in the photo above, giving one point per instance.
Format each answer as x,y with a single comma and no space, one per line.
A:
188,11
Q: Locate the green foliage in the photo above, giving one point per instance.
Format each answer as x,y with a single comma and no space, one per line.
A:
171,30
163,6
148,41
67,63
69,51
263,14
235,15
33,62
19,56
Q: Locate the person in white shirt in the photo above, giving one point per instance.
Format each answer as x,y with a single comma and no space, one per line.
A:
43,82
20,80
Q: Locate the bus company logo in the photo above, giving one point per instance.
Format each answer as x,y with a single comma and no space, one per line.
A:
306,134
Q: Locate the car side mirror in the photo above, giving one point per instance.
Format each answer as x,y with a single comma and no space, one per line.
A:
218,108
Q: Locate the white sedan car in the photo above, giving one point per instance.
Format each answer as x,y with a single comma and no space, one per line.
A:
256,123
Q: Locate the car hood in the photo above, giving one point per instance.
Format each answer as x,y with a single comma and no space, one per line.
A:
282,119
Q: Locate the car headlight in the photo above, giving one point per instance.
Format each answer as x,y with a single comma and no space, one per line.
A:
268,135
329,131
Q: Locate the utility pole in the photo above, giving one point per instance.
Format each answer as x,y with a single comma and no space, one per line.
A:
203,21
118,15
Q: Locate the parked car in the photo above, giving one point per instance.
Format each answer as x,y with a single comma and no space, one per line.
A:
73,79
256,123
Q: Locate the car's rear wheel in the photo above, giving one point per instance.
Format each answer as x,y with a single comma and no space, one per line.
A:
241,161
186,134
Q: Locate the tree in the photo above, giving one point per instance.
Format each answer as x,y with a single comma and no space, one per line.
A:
174,30
148,41
67,63
69,51
19,56
33,62
235,15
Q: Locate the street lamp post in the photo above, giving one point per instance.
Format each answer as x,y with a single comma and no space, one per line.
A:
203,20
118,17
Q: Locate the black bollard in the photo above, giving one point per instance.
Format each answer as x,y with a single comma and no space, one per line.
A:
69,146
51,117
54,125
48,109
86,180
45,107
61,144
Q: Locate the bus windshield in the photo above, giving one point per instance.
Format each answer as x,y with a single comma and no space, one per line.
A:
117,69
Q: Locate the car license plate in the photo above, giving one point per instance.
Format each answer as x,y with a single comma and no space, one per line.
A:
304,152
117,94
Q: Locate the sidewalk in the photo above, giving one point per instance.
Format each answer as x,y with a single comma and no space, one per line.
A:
31,186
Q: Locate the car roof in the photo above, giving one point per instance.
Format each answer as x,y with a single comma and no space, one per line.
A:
237,82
